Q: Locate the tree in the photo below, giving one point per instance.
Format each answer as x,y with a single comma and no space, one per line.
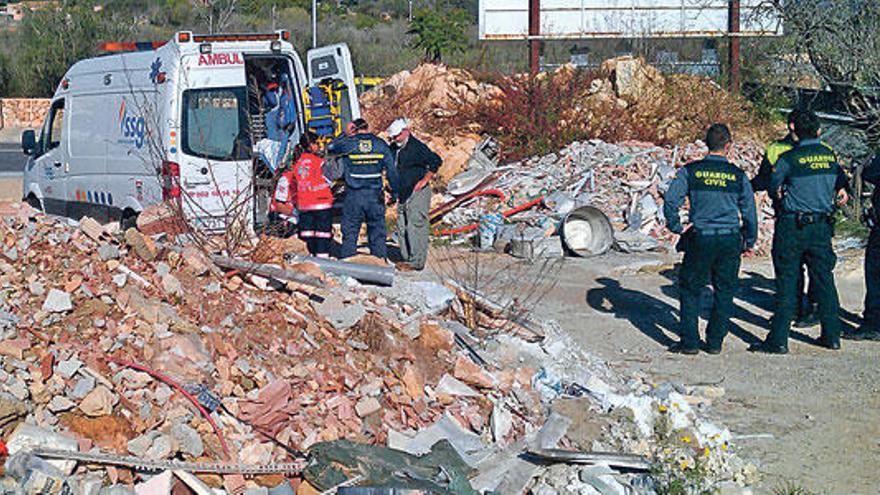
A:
438,33
51,40
5,75
841,44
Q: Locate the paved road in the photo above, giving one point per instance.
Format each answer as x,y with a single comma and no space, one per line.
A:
12,160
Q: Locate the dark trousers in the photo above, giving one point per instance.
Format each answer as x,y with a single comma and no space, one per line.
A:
790,244
359,206
715,259
806,298
871,315
316,229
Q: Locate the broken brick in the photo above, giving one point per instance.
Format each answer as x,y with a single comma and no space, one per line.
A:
472,374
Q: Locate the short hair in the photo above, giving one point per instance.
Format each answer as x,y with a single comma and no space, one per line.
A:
360,124
806,125
717,137
307,139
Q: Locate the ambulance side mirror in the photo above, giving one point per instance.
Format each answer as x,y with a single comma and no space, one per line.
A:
28,142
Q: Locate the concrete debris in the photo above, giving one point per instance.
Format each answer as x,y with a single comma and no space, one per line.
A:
189,440
342,316
36,288
626,181
82,387
501,422
98,402
468,445
140,445
303,364
108,252
367,406
27,437
57,301
59,404
162,447
449,385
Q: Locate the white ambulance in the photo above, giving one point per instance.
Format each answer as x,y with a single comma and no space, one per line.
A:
176,120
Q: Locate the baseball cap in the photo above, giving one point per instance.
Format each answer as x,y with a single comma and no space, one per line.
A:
397,127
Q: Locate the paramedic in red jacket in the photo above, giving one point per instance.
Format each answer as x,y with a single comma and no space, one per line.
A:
303,190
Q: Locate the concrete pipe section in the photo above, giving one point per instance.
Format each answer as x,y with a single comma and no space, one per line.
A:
586,231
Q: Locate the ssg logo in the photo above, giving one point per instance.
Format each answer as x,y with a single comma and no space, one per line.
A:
133,129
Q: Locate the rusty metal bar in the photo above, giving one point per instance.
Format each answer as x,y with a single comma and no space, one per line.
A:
733,15
534,31
617,34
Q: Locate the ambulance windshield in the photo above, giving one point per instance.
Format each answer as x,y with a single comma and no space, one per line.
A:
215,124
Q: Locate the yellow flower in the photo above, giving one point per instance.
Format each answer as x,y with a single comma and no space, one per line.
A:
686,439
662,408
706,452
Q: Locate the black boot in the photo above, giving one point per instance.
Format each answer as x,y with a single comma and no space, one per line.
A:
765,348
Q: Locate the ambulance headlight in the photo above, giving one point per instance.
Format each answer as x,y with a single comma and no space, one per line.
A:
275,46
205,48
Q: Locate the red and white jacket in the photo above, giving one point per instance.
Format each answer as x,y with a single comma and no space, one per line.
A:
304,185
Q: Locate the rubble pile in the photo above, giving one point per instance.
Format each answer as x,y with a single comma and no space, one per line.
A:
625,99
432,97
626,181
140,348
303,366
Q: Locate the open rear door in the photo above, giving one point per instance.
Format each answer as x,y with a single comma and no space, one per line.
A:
330,66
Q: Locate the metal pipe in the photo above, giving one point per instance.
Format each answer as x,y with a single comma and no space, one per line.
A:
379,275
263,270
314,23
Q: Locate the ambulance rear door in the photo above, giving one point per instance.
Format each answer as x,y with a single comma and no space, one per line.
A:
332,63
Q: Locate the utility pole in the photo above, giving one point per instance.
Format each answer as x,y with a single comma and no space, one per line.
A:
410,10
534,33
314,23
733,58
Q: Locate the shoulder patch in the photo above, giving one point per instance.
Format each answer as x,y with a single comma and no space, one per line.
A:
776,149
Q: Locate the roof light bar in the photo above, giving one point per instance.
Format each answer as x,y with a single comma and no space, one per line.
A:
129,46
201,38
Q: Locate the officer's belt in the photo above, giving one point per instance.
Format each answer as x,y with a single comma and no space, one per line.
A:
717,232
809,218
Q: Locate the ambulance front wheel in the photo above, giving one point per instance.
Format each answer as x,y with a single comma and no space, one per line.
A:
34,202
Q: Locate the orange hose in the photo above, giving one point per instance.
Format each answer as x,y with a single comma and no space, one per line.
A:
505,214
172,383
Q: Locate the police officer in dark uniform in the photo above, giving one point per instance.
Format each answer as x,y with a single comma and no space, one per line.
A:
806,315
809,175
365,157
724,224
870,327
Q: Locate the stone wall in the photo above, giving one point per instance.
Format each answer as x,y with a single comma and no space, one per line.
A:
23,113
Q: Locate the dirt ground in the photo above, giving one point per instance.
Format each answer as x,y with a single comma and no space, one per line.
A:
811,418
10,188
